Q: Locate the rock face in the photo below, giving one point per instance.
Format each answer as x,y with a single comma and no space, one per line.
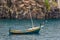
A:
54,13
21,9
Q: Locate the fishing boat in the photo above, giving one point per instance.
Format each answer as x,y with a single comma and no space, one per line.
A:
33,29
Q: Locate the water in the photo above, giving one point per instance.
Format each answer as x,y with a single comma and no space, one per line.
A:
50,31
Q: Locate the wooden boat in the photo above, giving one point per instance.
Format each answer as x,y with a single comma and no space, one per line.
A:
27,31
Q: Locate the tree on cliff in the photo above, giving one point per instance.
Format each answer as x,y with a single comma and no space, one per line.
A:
47,5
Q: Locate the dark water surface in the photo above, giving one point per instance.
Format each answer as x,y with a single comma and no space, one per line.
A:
51,30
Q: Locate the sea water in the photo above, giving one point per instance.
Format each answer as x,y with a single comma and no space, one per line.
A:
50,30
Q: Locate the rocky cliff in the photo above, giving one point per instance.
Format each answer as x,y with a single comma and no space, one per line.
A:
21,9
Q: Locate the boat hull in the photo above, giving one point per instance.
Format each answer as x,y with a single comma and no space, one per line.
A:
32,31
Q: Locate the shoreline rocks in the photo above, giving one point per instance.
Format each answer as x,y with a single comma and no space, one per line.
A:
21,9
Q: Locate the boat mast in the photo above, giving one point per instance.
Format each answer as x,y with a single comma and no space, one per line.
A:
31,18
